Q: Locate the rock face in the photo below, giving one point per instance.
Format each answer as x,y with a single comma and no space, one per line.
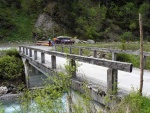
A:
3,90
44,22
44,27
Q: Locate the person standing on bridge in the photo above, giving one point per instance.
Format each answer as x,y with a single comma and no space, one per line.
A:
49,41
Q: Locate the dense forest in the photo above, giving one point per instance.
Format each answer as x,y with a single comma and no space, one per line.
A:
109,20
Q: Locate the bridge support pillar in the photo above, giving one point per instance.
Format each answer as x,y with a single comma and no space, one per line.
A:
112,81
53,62
73,65
27,72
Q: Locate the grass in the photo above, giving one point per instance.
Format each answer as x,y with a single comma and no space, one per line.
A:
118,45
133,103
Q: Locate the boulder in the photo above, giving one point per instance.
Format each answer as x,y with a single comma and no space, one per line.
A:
3,90
91,41
77,40
83,42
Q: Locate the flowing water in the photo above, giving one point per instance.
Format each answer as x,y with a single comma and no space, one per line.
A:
14,106
38,80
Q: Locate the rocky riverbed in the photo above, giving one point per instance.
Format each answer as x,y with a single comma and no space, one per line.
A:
9,90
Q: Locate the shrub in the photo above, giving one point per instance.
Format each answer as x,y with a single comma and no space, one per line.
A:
133,103
11,67
127,36
12,52
123,57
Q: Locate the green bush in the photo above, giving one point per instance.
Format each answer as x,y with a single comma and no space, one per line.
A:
12,52
123,57
11,67
127,36
135,60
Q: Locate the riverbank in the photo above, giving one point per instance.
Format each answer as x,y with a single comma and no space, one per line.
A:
12,77
15,44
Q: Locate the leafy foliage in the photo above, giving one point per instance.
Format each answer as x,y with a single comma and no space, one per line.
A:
11,52
98,20
11,65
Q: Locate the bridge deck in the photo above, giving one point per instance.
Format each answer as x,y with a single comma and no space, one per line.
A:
97,74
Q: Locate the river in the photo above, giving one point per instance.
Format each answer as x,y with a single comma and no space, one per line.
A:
15,107
38,80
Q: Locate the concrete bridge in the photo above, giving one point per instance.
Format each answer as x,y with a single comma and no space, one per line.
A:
103,75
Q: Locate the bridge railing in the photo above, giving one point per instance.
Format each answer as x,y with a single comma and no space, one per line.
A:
114,52
113,66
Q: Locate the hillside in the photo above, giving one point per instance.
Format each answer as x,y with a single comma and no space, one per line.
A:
99,20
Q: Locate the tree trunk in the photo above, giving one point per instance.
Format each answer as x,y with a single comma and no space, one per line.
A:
141,54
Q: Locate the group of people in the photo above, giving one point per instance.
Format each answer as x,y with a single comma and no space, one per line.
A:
52,42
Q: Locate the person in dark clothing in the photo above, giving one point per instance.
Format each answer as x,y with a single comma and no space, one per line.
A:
49,41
